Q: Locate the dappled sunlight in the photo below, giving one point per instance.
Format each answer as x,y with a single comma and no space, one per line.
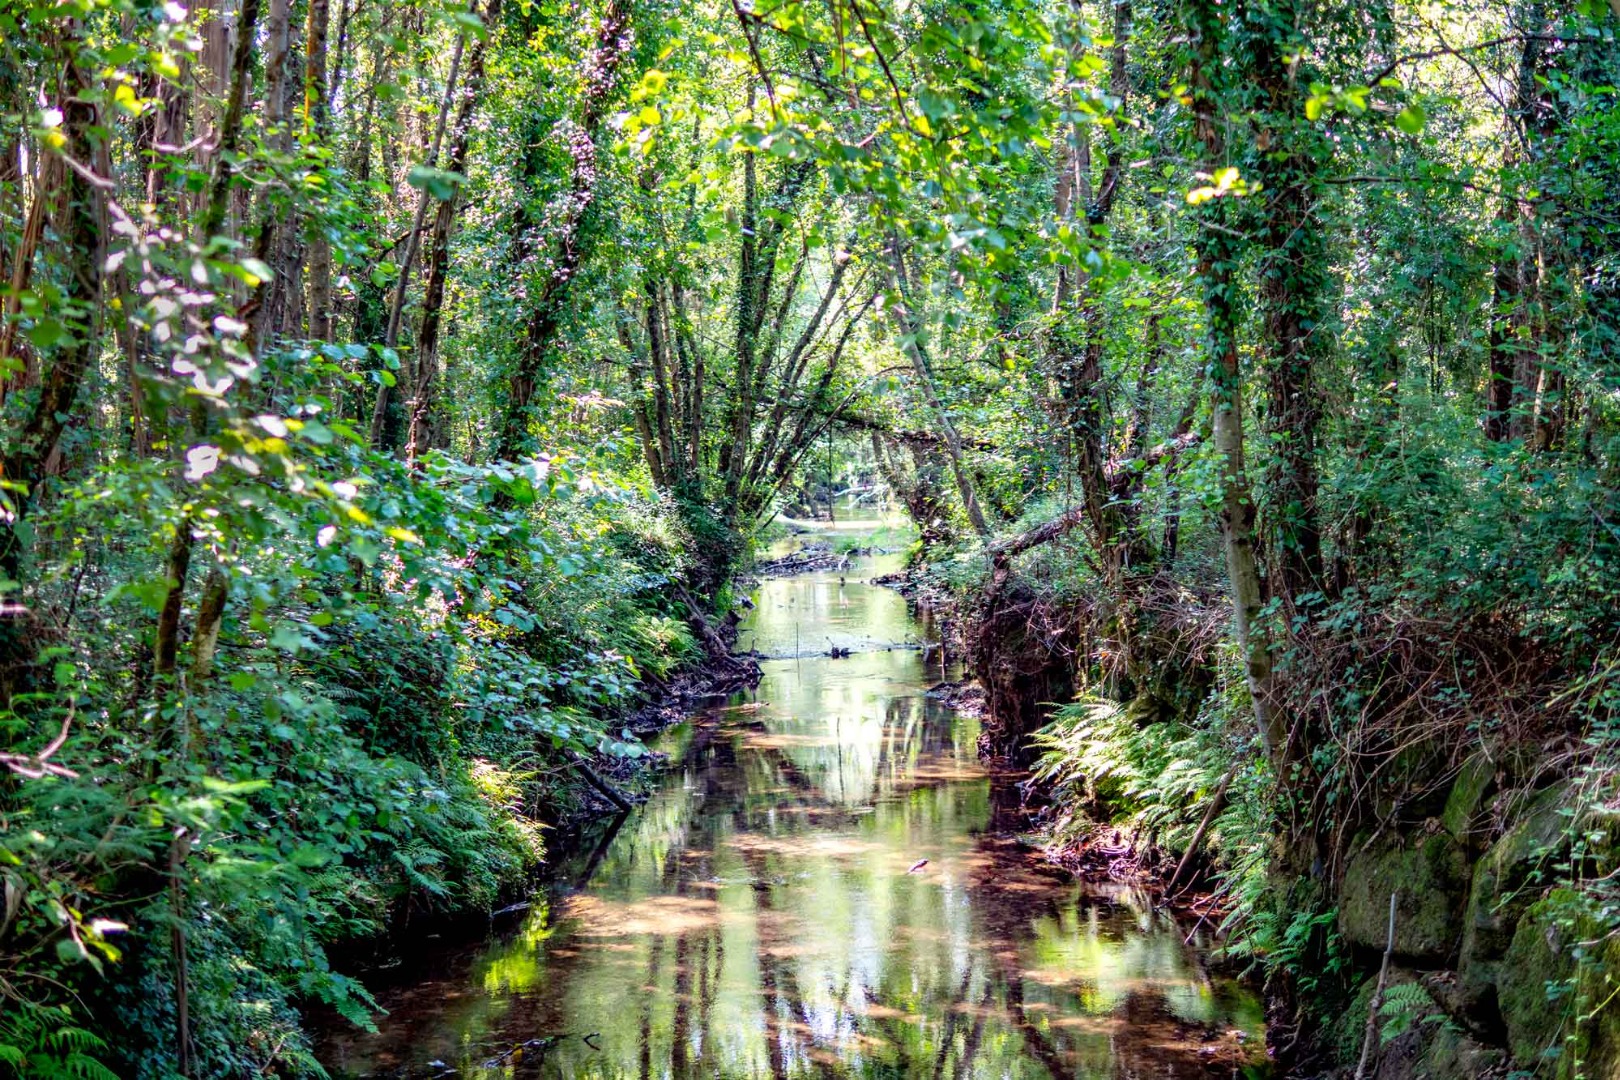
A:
814,891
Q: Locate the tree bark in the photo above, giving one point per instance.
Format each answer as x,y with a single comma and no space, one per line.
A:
576,238
80,233
1216,257
422,426
912,346
1292,282
413,241
317,125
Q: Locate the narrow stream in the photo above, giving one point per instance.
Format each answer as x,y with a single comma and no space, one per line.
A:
769,913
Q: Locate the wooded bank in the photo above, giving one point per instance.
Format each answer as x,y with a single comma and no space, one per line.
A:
390,394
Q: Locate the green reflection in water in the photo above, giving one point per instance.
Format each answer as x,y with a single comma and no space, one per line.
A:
760,917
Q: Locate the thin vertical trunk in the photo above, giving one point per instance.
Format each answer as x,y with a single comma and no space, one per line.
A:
317,126
78,227
1292,283
166,650
276,230
692,365
640,407
215,211
47,180
1216,255
1078,338
912,346
1505,303
413,241
657,351
230,124
423,424
575,237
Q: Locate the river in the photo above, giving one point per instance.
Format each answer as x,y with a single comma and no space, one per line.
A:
826,883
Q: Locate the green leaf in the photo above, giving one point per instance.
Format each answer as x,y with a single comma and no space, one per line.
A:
1411,119
439,183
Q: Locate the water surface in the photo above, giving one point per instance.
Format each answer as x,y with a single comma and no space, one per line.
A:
825,885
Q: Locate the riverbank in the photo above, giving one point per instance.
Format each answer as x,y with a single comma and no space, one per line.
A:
826,872
1442,915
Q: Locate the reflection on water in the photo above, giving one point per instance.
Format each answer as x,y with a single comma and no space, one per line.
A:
769,912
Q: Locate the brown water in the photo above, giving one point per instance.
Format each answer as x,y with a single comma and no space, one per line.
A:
768,913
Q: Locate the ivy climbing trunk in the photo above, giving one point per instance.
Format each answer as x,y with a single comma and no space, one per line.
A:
1217,255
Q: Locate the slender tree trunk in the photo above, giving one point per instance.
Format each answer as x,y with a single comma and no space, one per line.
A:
317,126
1217,255
422,425
215,212
230,125
1505,302
657,352
911,345
1292,283
413,241
576,237
78,226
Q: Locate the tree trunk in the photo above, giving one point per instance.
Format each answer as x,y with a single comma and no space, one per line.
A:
422,426
912,346
317,125
1292,283
78,228
1216,256
575,237
413,241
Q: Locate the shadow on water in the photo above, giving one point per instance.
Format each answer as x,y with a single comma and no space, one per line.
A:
765,913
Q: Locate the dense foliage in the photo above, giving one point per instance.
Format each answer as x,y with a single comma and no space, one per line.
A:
389,394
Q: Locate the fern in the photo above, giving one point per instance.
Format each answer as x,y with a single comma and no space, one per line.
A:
1405,1006
44,1043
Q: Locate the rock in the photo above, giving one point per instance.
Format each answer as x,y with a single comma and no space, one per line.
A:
1408,788
1431,877
1464,814
1557,996
1347,1034
1498,894
1435,1050
1345,1037
1431,1048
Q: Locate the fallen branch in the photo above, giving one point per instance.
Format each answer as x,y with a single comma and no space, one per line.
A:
1377,1001
38,765
1217,802
606,790
1121,476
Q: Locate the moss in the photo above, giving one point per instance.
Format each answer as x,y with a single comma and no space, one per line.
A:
1465,804
1597,1000
1437,1051
1498,895
1558,1000
1350,1028
1408,788
1429,877
1450,1054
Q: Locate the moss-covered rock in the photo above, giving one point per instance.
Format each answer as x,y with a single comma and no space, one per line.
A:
1410,786
1557,994
1464,814
1346,1033
1429,1047
1503,887
1430,877
1438,1051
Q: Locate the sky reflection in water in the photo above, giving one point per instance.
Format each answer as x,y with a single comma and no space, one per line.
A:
757,918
